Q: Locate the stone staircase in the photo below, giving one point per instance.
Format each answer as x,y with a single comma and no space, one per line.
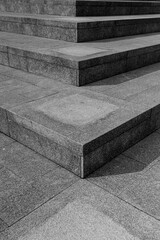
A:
75,43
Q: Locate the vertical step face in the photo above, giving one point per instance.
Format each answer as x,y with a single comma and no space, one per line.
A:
110,8
78,64
80,7
55,7
78,129
78,29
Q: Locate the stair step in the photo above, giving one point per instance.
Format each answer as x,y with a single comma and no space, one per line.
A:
78,63
80,7
56,7
78,29
80,128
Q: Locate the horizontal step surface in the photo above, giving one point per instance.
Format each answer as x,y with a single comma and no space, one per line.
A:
80,7
79,128
78,63
78,29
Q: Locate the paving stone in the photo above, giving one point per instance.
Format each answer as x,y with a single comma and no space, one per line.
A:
118,174
8,181
25,163
146,151
9,99
80,209
23,199
5,140
144,195
3,225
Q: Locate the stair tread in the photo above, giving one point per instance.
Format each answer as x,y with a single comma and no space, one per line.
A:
80,52
58,115
71,19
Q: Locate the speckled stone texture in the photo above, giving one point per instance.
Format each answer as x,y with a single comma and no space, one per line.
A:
80,131
58,7
78,29
80,7
78,63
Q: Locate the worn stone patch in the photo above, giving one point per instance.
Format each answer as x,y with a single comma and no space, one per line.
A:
77,109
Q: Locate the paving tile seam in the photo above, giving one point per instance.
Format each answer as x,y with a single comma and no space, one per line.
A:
20,79
121,199
41,55
49,199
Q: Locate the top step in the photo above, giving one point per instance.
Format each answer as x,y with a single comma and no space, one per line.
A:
81,7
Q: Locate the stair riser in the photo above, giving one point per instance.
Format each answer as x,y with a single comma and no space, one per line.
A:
115,9
79,8
98,31
78,164
86,72
62,8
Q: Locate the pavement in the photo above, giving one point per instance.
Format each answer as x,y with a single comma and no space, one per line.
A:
40,200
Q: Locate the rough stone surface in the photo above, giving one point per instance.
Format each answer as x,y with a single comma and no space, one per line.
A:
145,193
85,207
88,62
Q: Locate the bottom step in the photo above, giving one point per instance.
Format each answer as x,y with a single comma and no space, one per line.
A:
81,129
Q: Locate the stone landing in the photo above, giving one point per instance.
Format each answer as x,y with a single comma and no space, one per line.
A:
78,129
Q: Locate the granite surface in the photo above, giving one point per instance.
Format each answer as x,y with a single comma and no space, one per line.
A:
78,29
85,211
37,116
78,63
